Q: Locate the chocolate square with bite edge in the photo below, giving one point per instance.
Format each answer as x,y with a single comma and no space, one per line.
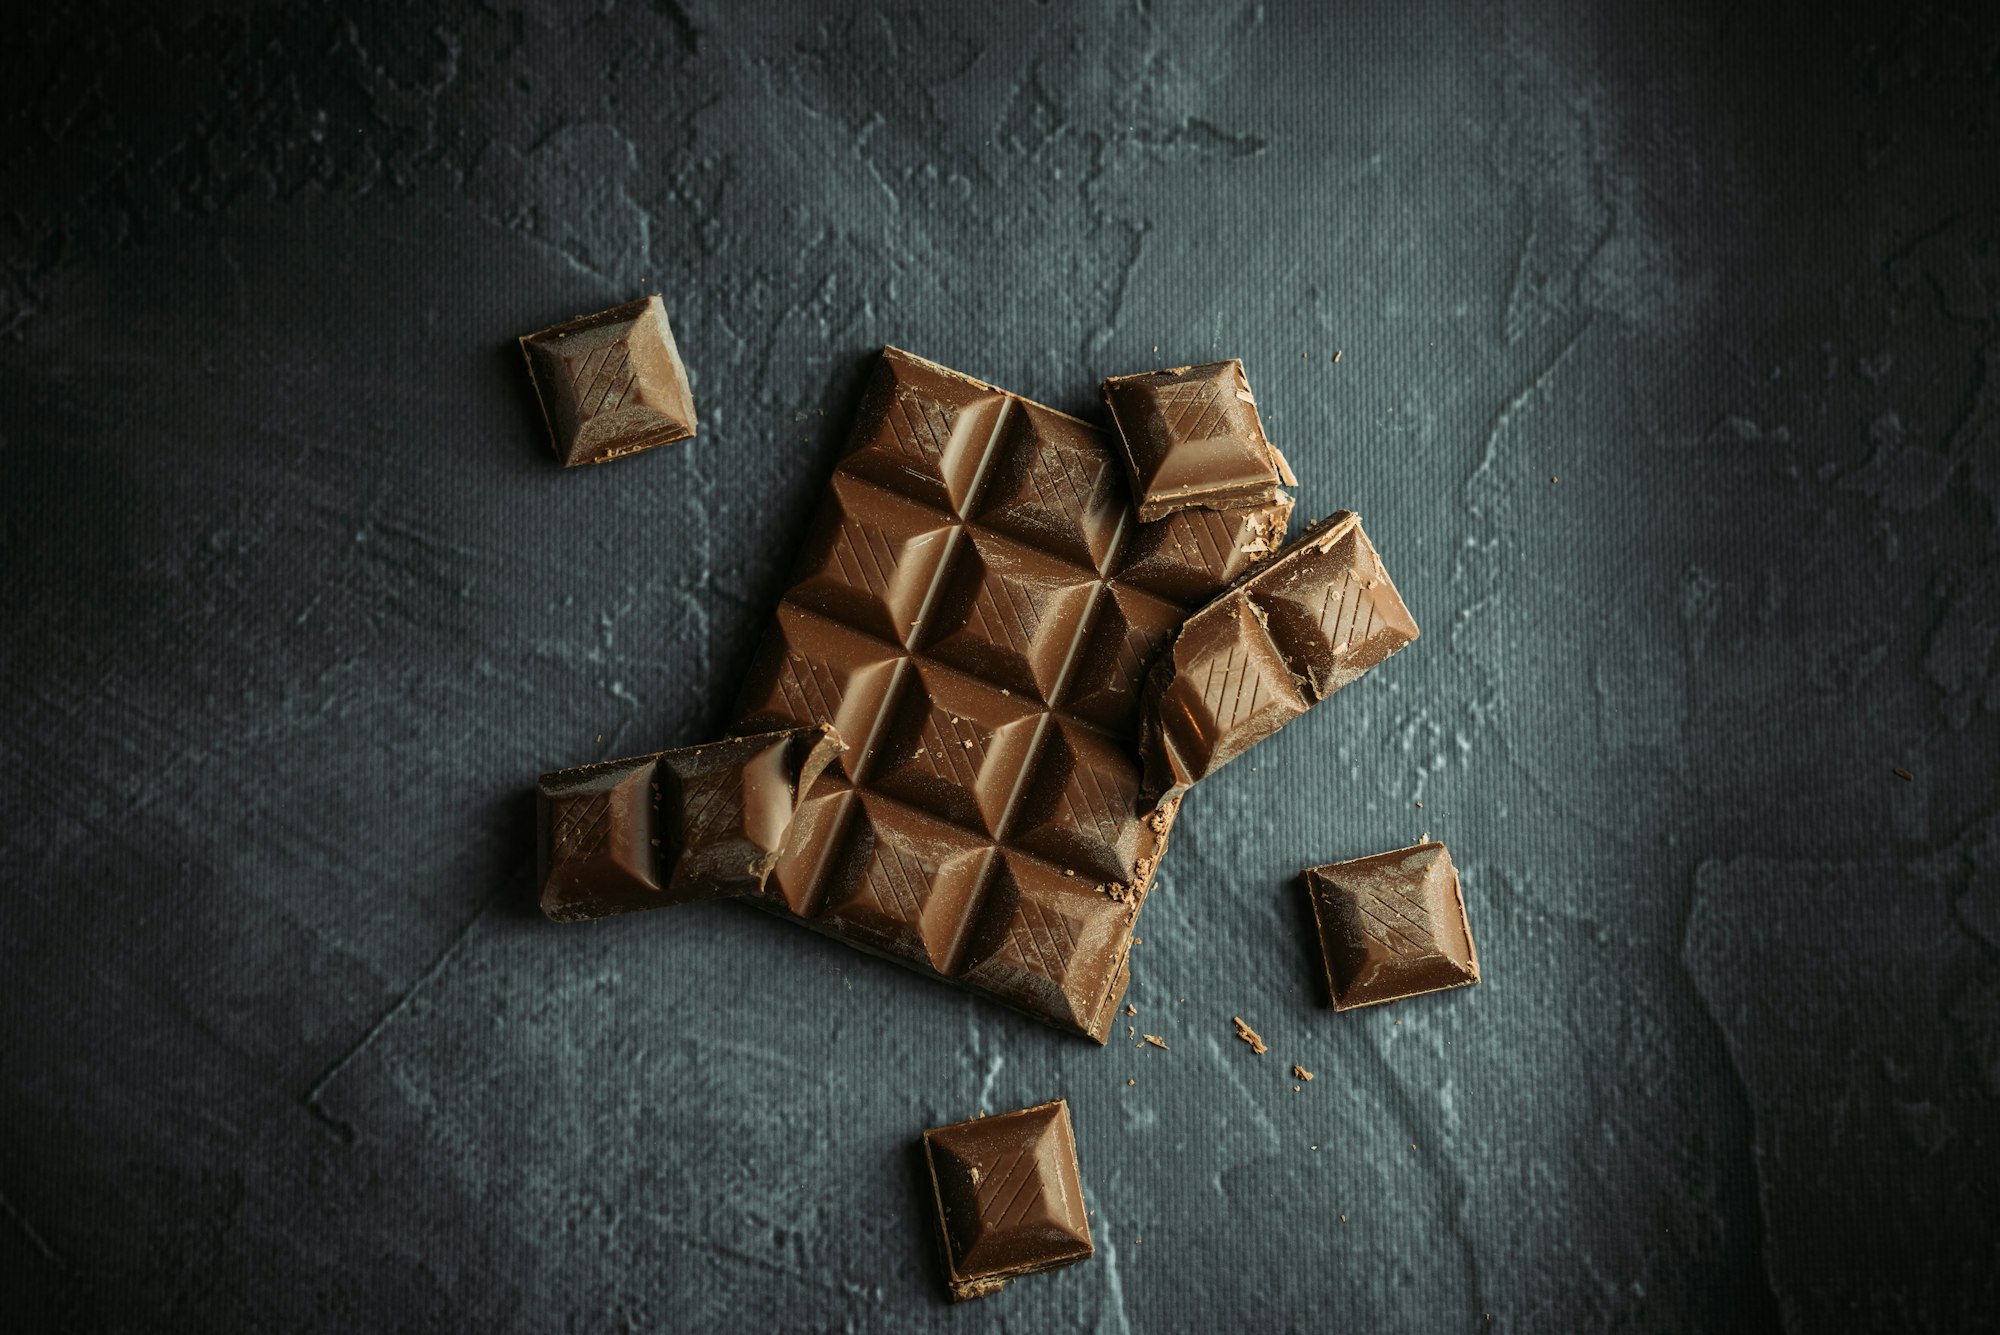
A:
611,384
1392,926
1191,436
1008,1196
701,822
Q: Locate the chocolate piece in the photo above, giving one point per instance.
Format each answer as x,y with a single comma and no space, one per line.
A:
1392,926
611,383
1009,1200
1300,627
698,823
1192,436
976,611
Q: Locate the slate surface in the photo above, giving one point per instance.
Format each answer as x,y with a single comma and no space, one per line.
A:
297,606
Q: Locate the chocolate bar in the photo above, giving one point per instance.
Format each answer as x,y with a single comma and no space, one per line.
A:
1301,626
1392,926
1192,436
1009,1198
611,384
976,610
699,823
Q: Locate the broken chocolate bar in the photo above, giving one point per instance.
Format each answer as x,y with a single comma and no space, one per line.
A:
1301,626
975,611
611,384
1009,1198
1392,926
698,823
1192,436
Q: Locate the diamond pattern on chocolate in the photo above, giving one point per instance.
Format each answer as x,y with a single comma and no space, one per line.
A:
1075,811
1232,690
1009,615
958,748
1192,554
596,825
1192,437
1008,1196
1392,925
908,887
1126,633
925,432
814,670
610,384
1338,615
804,870
872,560
1046,941
1053,486
916,633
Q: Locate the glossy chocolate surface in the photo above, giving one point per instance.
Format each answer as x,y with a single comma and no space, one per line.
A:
1009,1198
1304,624
702,822
1391,926
976,611
1192,437
611,384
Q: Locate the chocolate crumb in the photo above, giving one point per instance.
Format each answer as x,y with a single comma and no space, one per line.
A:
1301,1072
1156,1041
1249,1035
1903,774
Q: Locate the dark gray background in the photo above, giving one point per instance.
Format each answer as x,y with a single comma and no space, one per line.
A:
297,606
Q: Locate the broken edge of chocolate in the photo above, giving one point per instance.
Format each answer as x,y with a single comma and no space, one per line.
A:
1392,925
1009,1197
702,822
610,384
1297,628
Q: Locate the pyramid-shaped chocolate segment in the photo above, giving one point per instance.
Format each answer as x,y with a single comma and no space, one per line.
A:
1332,608
697,823
1391,926
596,830
1009,1198
611,384
976,609
1191,437
1299,627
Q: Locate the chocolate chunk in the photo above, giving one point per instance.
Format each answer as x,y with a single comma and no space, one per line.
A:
976,610
611,383
698,823
1392,926
1298,628
1192,437
1009,1199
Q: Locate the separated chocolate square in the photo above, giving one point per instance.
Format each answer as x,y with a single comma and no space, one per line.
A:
611,384
1392,926
1009,1199
1191,436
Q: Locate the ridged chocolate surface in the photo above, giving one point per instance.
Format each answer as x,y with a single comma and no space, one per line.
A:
611,384
976,611
702,822
1306,623
1392,926
1009,1197
1192,436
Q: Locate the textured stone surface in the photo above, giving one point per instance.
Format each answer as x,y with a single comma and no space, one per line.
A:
298,606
